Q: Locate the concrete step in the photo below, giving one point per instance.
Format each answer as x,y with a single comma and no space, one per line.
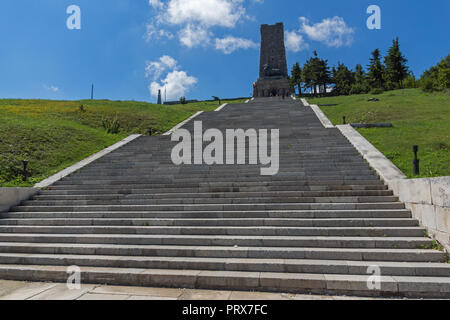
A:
255,173
282,222
191,188
229,200
235,280
393,231
215,207
280,214
232,264
115,196
265,179
70,245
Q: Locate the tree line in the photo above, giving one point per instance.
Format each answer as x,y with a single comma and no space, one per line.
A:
389,73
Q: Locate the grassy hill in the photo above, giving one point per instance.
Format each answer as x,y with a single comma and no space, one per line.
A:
53,135
419,118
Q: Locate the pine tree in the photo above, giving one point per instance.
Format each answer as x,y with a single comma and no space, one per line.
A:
396,69
376,70
360,81
443,78
308,75
323,74
343,79
297,77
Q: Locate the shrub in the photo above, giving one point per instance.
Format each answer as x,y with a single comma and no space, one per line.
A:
410,82
428,85
183,100
111,125
10,169
359,88
376,91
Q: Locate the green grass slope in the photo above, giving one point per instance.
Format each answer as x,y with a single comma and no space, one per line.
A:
419,118
53,135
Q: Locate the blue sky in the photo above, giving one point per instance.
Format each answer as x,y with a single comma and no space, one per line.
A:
197,48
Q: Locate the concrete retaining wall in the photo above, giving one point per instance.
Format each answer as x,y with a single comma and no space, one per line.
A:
429,201
10,197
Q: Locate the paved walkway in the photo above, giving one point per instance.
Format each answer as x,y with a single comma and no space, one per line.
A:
17,290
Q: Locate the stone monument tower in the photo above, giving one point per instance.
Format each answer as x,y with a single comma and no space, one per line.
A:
159,97
273,74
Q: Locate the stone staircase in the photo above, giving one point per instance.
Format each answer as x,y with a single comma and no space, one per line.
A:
134,218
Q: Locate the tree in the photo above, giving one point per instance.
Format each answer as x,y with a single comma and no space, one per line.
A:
316,73
297,77
443,78
308,75
396,69
360,84
323,74
343,79
376,70
437,77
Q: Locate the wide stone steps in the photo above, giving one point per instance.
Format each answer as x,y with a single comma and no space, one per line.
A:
214,207
115,196
318,226
235,200
419,269
252,281
201,175
206,188
253,222
210,250
393,231
299,214
181,180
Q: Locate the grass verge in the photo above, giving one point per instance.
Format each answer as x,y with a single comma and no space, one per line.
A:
53,135
419,118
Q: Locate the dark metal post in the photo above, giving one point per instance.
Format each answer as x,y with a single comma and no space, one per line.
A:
416,161
25,173
344,120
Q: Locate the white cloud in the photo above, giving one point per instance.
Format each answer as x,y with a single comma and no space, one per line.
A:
294,42
176,85
230,44
208,13
153,32
157,4
334,32
194,36
51,88
192,21
157,68
176,82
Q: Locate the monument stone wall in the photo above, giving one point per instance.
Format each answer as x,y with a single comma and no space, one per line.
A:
273,73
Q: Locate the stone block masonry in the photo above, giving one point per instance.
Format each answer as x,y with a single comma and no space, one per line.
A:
273,73
429,201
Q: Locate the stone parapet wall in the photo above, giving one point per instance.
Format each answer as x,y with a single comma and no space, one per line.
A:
429,201
10,197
